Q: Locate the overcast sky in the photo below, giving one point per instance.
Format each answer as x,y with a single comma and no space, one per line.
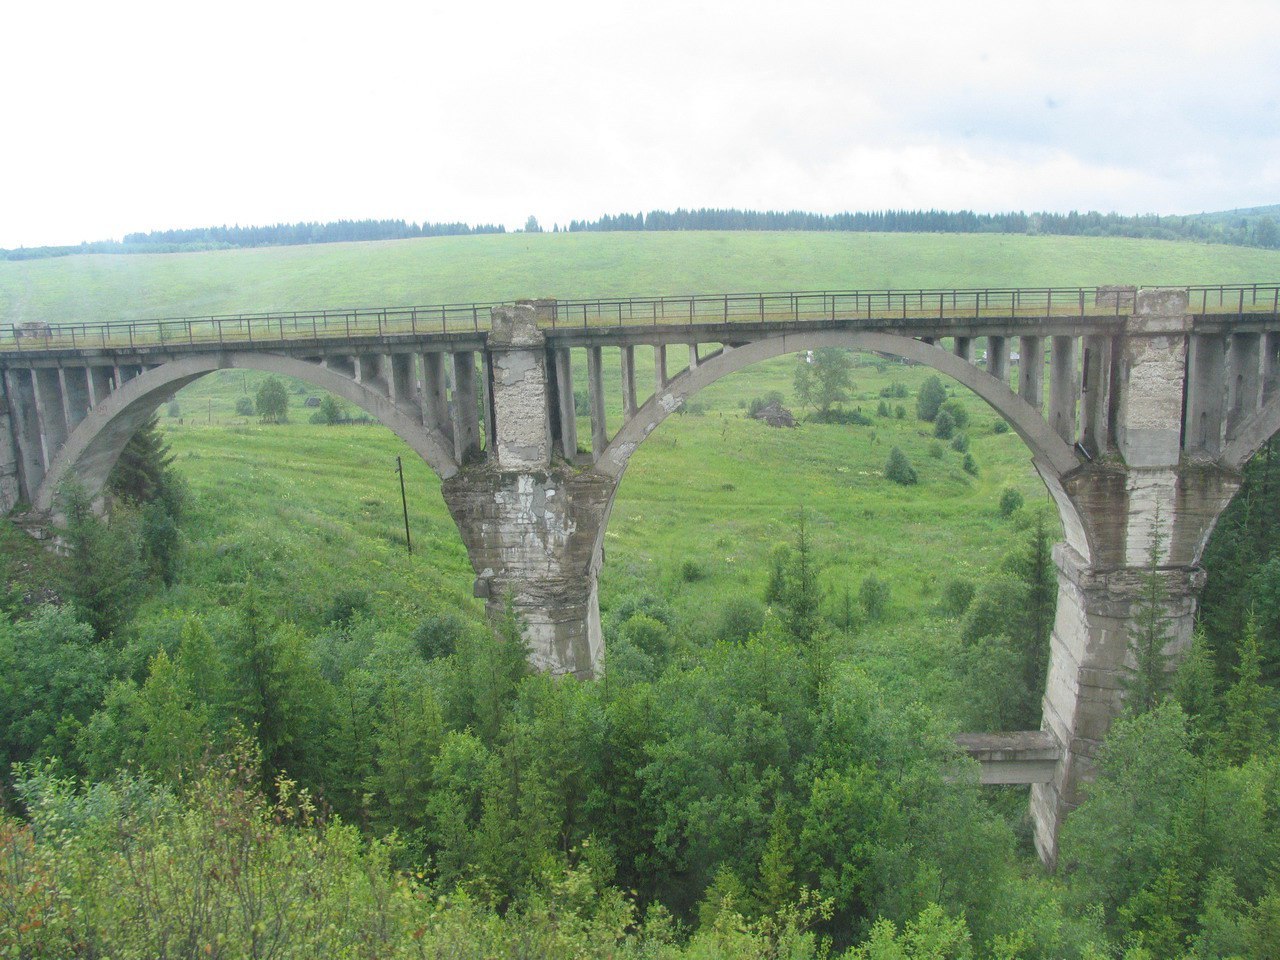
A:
127,116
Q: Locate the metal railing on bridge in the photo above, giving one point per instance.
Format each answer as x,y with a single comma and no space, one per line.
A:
602,312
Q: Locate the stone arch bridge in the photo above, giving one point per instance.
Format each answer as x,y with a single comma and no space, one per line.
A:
1139,406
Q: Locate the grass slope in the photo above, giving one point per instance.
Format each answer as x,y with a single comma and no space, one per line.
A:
464,269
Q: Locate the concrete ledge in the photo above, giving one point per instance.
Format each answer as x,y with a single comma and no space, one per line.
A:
1021,757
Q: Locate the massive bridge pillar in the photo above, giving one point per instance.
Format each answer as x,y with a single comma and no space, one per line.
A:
1141,499
531,521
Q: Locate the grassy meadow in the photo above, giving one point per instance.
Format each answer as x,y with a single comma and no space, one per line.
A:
306,510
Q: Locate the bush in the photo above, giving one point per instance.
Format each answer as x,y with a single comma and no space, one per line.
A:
244,406
847,417
330,411
691,571
882,410
437,636
759,403
936,451
874,596
900,412
1010,502
273,401
345,606
739,617
956,597
895,391
970,465
959,415
930,398
944,426
960,443
1000,426
898,468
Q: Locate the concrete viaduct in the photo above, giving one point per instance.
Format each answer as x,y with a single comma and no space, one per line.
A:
1140,407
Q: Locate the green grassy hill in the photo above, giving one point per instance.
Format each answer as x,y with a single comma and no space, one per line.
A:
464,269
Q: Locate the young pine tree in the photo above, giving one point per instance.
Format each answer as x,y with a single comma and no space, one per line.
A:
1148,680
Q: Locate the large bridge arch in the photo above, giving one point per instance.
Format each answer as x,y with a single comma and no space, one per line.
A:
1052,457
93,448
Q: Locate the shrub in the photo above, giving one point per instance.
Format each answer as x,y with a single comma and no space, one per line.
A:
1000,426
882,410
900,412
956,597
345,606
691,571
959,415
944,425
244,406
1010,502
759,403
739,617
330,411
898,468
895,391
936,451
273,401
874,596
970,465
960,443
437,636
930,398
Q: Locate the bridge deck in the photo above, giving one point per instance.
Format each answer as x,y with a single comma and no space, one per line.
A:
963,312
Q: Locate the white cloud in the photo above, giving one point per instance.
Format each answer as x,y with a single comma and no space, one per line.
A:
136,116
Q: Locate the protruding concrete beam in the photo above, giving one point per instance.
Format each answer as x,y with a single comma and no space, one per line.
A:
1244,380
628,382
1095,395
693,356
488,400
99,384
964,348
401,380
466,411
1031,370
998,358
1063,387
660,367
595,390
1027,756
1206,394
75,394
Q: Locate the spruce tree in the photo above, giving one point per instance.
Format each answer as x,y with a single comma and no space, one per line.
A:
1148,680
1247,712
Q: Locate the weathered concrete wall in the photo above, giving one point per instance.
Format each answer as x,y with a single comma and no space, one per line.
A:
10,483
532,536
522,417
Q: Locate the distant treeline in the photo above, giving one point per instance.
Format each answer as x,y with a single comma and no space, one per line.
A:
279,235
1255,227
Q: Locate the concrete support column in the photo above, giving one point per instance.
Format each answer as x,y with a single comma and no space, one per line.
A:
568,406
1089,664
1095,395
487,401
659,367
628,382
21,394
533,539
963,348
435,397
401,379
1244,379
595,391
369,371
1270,365
466,410
1031,370
10,478
1149,366
75,394
693,356
99,384
53,421
998,358
1063,387
1206,378
521,432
